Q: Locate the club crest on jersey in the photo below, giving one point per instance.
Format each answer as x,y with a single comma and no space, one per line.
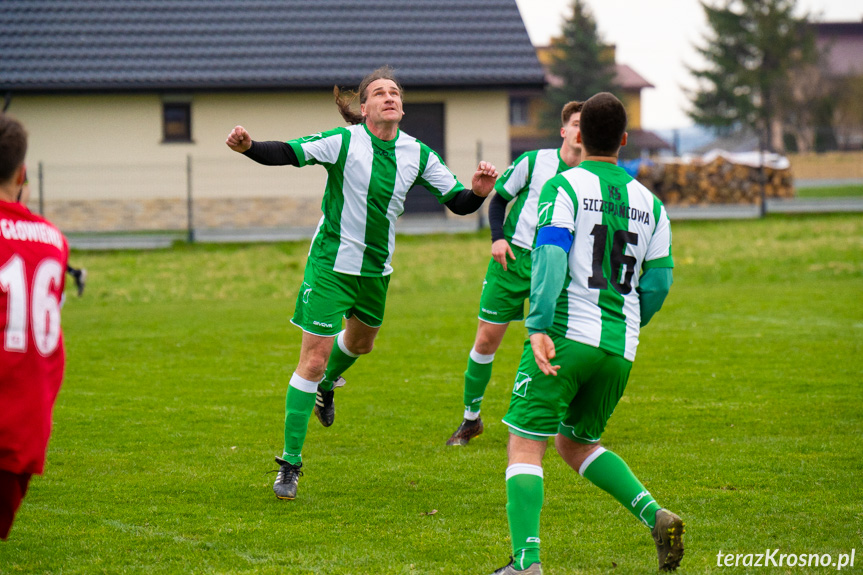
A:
307,291
522,380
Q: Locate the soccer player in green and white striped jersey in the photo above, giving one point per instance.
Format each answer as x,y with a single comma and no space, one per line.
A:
371,165
601,269
507,284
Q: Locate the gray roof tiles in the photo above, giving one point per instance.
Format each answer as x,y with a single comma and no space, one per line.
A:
61,45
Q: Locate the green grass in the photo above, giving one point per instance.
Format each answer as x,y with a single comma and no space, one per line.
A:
743,414
853,191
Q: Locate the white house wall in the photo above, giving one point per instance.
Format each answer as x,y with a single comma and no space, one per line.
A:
106,152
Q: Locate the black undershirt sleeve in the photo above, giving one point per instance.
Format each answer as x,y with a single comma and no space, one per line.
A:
465,202
272,154
496,215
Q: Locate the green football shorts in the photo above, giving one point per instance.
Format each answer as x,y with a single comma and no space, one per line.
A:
326,296
577,402
504,292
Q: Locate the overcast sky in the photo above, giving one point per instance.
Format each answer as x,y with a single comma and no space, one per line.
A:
656,39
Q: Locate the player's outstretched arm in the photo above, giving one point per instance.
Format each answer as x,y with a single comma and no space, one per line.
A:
239,139
266,153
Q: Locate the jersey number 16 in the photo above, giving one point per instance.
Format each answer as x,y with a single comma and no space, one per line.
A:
42,309
619,260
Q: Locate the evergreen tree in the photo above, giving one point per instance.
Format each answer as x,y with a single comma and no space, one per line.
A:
581,65
755,52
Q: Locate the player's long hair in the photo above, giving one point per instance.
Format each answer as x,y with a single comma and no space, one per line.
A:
344,100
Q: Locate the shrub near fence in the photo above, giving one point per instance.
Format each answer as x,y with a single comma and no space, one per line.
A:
716,182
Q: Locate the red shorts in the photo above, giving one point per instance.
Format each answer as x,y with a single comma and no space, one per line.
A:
13,487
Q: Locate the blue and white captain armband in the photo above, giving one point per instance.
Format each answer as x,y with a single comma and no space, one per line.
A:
552,236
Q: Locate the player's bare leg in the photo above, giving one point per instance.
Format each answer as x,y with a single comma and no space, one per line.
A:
359,337
314,354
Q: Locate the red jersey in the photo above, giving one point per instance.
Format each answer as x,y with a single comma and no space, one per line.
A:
33,258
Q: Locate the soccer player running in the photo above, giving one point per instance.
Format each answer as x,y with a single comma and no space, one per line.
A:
33,259
371,165
601,269
507,284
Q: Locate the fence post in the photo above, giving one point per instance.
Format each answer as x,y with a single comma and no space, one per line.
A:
190,223
762,175
41,192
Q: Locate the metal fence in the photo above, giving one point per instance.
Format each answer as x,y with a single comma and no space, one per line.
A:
233,199
192,195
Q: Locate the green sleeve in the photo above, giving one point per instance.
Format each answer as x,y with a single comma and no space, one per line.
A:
652,289
549,264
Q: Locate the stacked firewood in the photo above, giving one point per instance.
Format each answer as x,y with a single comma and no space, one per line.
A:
718,181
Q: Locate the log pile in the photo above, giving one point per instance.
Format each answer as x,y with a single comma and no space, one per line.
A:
718,181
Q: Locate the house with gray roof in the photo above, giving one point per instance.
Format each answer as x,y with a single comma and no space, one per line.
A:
128,102
841,46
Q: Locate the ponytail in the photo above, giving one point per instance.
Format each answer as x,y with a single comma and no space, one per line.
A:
344,105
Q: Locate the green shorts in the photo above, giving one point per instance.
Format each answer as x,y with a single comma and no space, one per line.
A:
326,296
504,292
577,402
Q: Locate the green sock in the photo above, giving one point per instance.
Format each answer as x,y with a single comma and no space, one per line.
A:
476,379
610,473
299,403
339,362
523,505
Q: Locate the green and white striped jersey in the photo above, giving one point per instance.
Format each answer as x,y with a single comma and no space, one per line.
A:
619,229
523,181
367,181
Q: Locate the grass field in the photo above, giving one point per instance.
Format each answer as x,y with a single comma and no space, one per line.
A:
743,414
851,191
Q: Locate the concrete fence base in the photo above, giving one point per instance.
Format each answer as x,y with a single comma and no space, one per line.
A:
172,214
